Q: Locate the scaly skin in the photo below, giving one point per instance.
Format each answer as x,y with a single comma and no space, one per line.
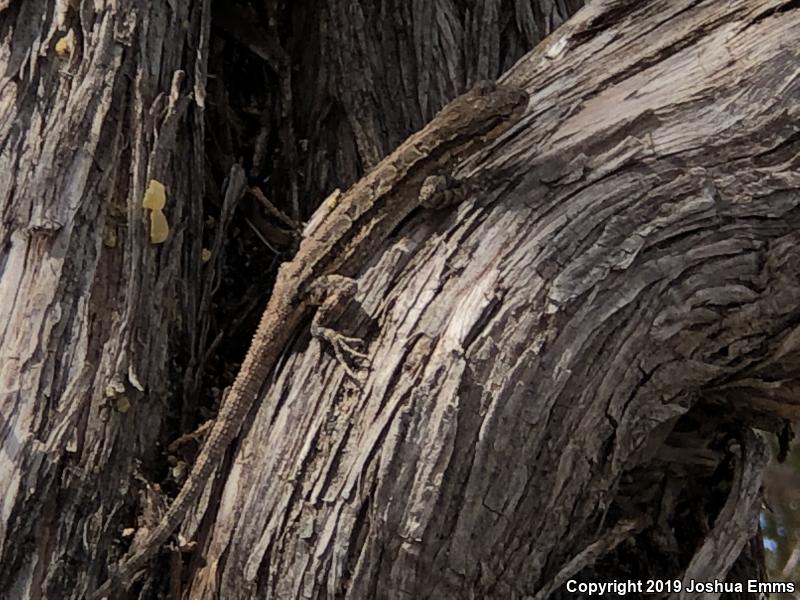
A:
342,244
265,349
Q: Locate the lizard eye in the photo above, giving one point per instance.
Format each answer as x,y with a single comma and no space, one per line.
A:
483,87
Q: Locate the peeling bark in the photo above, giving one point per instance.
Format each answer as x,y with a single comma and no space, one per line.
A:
564,370
587,340
90,309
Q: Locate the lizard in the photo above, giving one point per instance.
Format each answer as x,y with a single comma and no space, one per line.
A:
320,276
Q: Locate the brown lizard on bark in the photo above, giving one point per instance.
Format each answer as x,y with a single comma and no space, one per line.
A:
414,175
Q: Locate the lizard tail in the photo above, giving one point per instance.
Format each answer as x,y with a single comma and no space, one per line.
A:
264,350
129,568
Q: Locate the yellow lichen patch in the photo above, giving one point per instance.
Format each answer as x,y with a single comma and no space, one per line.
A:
205,255
155,198
332,200
114,388
122,404
65,45
110,236
159,228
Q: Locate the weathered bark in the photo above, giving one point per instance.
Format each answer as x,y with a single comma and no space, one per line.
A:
337,85
576,354
564,370
90,309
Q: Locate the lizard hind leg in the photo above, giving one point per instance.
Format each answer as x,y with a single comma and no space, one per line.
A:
330,293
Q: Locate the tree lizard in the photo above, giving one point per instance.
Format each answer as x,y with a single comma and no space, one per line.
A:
415,174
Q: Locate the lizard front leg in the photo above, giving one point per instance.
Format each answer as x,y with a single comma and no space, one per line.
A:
330,293
441,191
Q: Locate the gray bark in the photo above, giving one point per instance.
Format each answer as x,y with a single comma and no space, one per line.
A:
576,354
91,310
564,371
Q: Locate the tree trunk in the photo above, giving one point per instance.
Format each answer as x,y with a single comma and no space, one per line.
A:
564,370
98,100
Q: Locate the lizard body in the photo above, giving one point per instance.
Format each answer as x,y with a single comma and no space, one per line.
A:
336,249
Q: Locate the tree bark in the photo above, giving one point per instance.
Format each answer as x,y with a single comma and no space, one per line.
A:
98,100
564,371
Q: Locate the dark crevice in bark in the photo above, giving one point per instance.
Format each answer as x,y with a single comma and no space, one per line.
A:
501,403
774,10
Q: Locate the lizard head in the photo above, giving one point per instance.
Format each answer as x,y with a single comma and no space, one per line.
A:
482,113
507,102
